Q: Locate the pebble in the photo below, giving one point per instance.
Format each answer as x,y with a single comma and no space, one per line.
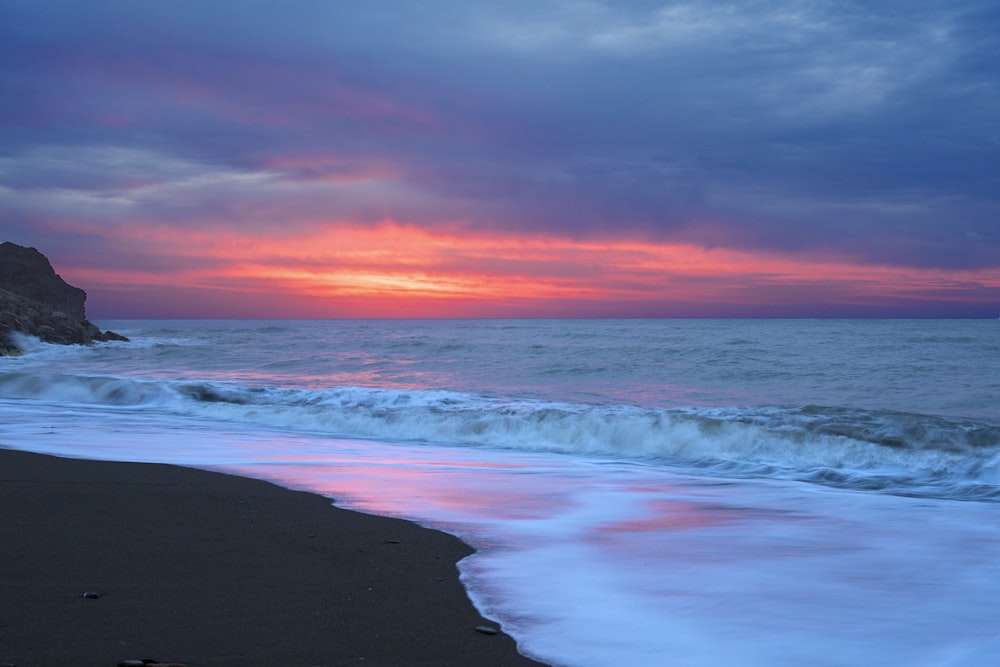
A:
90,595
486,629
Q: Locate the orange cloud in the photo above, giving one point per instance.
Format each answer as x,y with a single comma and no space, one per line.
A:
398,270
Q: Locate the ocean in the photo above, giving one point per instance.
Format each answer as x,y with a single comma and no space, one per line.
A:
639,492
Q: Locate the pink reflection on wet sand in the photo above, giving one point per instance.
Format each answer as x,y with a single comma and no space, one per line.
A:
536,499
455,491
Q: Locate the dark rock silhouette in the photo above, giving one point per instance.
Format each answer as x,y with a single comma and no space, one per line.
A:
35,301
28,273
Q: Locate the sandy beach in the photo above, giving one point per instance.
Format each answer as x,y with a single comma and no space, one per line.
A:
208,569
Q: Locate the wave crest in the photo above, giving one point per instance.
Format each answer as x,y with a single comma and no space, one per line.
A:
862,449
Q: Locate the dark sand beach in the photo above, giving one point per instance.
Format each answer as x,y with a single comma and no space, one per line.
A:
209,569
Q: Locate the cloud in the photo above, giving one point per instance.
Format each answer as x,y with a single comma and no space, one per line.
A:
823,129
375,270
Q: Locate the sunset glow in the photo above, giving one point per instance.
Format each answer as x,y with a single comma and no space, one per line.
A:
392,270
438,161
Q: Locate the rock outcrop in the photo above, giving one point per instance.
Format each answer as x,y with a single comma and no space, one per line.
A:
28,273
34,300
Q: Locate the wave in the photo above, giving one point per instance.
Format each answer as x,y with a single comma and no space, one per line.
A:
887,451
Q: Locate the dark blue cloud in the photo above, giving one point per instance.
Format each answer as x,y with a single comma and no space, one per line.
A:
869,129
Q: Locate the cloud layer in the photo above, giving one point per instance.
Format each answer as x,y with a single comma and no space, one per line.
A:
240,146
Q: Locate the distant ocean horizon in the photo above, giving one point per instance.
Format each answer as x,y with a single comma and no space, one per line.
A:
639,491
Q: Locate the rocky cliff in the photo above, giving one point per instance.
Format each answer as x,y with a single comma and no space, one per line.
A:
34,300
27,273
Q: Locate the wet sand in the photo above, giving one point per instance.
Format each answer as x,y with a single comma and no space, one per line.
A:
208,569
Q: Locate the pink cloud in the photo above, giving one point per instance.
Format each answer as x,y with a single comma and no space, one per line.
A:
398,270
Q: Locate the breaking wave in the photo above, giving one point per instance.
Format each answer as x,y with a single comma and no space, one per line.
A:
884,451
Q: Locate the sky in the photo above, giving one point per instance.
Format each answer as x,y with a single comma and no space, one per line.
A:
542,158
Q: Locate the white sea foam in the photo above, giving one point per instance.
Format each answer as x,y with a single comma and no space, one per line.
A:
642,493
591,562
890,451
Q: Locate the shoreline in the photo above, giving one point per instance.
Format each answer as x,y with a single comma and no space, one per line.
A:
211,569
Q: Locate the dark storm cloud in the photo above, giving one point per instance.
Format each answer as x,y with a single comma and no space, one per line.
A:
867,129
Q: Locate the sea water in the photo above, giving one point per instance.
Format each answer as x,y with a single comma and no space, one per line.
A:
639,492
